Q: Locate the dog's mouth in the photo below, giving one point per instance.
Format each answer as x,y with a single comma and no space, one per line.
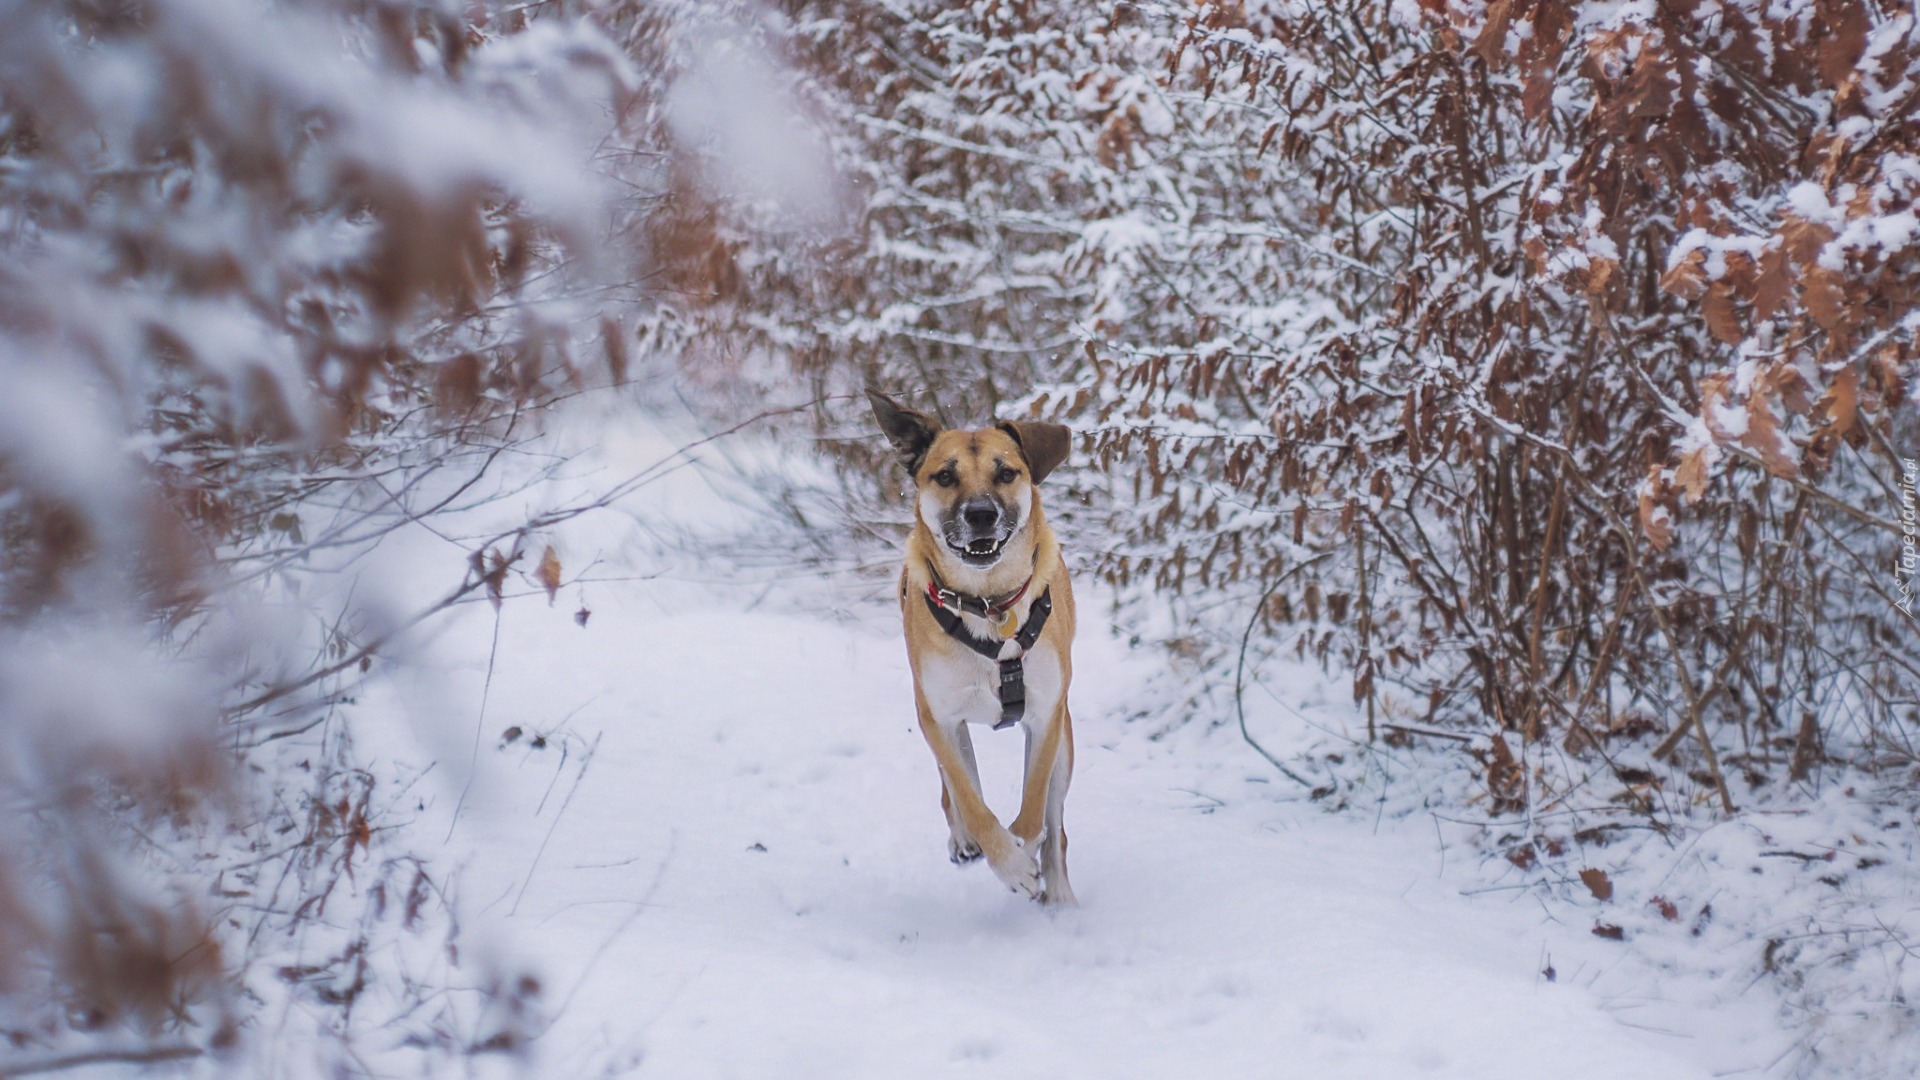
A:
979,553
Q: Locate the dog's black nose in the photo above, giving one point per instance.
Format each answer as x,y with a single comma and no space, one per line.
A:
980,516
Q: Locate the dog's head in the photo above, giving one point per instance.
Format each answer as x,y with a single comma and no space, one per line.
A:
976,487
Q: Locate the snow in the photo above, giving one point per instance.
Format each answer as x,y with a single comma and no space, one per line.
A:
739,867
1221,930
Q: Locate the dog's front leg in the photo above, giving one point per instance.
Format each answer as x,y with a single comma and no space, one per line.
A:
960,846
1012,862
1043,799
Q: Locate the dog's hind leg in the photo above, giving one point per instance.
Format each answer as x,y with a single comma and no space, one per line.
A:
1056,890
960,846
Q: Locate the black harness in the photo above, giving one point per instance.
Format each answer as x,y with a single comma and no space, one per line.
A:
942,604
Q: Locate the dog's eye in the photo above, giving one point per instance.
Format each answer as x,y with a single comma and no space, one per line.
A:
1005,476
946,477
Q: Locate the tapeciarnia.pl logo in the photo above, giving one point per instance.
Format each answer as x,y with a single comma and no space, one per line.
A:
1909,525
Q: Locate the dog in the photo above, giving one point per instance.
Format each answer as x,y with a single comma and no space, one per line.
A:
987,608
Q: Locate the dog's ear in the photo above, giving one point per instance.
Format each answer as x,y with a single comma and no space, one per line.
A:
1044,446
910,432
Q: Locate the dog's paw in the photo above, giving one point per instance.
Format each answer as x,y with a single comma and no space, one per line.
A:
1019,870
962,852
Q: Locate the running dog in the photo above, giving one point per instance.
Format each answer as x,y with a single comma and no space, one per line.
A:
988,612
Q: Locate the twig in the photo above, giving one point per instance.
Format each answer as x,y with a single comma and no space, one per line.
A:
1429,733
1240,670
555,824
132,1055
639,907
479,724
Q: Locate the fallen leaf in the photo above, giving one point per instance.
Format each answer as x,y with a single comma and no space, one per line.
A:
1701,920
1597,883
1609,931
1667,910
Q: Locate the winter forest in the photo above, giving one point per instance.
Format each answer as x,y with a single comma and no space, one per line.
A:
450,620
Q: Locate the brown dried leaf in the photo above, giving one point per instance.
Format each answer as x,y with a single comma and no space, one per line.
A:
1536,251
1688,278
491,568
1537,94
1713,394
1763,436
1825,297
1599,274
1840,405
549,573
1845,39
1717,309
1808,751
1597,883
1802,239
1791,386
1691,476
1666,908
1740,273
457,388
615,343
1885,367
1654,519
1491,45
1506,780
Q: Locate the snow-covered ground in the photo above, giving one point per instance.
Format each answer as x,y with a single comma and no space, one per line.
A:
716,838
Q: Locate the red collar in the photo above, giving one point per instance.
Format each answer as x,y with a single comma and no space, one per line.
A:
974,605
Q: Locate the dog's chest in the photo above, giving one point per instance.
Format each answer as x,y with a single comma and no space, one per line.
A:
964,688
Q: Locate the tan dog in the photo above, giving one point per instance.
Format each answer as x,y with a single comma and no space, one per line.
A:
989,622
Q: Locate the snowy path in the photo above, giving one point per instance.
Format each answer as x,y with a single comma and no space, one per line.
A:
1224,933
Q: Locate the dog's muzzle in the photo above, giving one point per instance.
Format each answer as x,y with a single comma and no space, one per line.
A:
978,532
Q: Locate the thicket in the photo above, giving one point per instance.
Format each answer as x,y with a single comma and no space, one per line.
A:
279,283
1544,368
